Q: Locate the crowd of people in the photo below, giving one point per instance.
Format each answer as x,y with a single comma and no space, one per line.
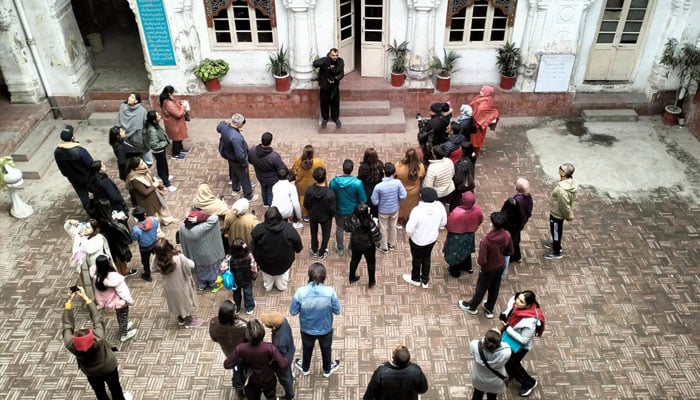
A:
433,187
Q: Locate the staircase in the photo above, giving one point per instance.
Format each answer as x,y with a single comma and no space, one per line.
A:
34,155
376,116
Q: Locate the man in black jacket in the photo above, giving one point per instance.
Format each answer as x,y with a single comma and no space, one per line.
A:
266,163
74,162
331,71
275,243
320,201
398,379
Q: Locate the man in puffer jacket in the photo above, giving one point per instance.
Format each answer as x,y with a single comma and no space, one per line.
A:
439,175
266,163
275,243
349,192
561,207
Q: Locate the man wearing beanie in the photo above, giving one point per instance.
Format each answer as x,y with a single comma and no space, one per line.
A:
423,228
239,223
437,126
74,162
561,207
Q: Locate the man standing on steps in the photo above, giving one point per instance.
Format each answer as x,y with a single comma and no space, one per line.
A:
74,162
331,71
233,147
561,207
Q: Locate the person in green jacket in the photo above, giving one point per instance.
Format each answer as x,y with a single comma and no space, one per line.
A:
92,351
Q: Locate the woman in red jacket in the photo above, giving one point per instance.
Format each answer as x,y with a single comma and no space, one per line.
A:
485,115
173,113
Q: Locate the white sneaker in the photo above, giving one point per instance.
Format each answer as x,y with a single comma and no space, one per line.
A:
129,325
252,199
171,188
128,396
407,278
129,335
297,225
170,177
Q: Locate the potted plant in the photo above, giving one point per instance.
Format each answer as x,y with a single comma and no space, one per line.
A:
279,67
509,60
444,68
684,61
210,71
398,62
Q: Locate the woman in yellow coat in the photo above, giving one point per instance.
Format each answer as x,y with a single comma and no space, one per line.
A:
303,169
410,171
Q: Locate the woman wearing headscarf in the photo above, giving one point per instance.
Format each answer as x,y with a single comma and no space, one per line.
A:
200,238
132,117
145,192
462,224
303,169
208,202
485,115
173,113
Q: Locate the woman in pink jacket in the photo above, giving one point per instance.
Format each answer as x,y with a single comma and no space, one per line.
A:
111,293
173,114
462,222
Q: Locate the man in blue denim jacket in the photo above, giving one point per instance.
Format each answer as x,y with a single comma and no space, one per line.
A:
316,303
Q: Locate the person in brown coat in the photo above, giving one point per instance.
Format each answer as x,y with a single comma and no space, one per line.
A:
144,190
92,352
228,330
173,112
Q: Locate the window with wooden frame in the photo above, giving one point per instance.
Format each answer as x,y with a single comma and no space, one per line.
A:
242,24
479,22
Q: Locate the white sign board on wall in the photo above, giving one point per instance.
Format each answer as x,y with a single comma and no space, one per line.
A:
554,73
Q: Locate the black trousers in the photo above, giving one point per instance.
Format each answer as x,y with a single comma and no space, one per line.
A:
556,228
112,381
420,262
325,235
370,257
487,281
240,179
177,147
515,369
162,167
330,100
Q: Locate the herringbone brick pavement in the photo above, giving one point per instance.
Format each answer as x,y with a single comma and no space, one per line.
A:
621,305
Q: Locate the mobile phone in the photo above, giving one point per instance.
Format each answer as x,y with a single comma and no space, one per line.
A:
74,288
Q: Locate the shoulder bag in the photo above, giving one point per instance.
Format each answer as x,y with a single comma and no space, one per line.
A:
486,363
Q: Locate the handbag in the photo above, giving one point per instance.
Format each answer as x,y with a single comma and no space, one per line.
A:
486,363
515,346
376,233
187,116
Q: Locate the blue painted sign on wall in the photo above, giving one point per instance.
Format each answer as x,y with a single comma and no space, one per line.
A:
155,29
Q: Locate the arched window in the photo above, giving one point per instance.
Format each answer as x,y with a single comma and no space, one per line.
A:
479,22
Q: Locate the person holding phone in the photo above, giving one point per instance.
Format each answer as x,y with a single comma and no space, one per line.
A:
92,352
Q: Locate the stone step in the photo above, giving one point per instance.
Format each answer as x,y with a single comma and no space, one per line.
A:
395,122
45,131
364,108
40,162
610,115
106,119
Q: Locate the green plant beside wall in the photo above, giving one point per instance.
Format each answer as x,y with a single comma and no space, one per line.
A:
3,162
210,69
398,54
447,66
684,60
279,63
508,59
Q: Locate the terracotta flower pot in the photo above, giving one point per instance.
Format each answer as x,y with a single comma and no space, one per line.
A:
507,82
696,98
282,83
671,114
397,80
213,85
442,84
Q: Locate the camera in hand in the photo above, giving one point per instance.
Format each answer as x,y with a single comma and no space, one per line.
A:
74,288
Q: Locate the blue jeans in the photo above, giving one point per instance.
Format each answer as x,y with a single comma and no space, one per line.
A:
287,381
324,341
266,191
247,297
240,179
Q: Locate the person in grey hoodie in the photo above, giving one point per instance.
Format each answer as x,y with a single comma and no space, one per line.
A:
200,238
349,192
266,163
561,207
423,229
489,350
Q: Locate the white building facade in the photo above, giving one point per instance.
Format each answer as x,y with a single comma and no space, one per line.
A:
567,45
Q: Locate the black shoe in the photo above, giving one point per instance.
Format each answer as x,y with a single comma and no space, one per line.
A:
526,390
338,124
324,123
354,279
455,273
146,277
131,272
372,284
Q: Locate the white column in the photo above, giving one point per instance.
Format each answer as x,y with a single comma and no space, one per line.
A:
16,61
302,39
421,35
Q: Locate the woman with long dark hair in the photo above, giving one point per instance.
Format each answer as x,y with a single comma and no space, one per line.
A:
115,229
158,142
103,188
174,111
131,117
410,171
122,149
370,172
361,243
112,293
523,319
303,169
178,287
229,330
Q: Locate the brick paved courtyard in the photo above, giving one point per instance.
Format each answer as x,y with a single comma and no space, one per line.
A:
620,305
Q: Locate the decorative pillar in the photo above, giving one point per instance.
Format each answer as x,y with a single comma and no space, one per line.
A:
421,36
16,61
302,39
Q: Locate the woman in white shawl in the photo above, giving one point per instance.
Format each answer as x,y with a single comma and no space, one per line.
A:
88,244
132,117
